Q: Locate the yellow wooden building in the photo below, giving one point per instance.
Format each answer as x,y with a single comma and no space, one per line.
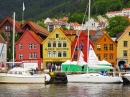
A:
123,48
106,49
56,48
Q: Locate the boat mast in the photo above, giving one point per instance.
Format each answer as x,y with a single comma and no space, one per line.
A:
88,33
13,35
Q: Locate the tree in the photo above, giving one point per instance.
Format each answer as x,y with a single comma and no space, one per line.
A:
3,35
76,18
116,25
41,23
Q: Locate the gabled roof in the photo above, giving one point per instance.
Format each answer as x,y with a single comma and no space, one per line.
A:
61,31
33,34
125,9
91,32
75,24
120,35
70,32
37,28
105,34
17,23
2,39
82,34
64,19
114,12
96,35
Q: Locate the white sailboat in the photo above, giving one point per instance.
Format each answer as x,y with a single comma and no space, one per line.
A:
92,63
94,77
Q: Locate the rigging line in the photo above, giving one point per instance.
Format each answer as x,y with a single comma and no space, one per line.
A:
78,35
2,50
79,31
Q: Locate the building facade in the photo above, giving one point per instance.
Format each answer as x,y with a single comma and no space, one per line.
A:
80,42
56,48
28,49
123,48
106,49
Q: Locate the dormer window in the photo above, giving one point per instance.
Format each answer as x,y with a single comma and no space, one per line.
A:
7,28
57,35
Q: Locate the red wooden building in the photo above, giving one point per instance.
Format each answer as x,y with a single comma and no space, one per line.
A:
80,42
28,48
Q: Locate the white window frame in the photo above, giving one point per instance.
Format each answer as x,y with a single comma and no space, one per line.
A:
20,46
20,56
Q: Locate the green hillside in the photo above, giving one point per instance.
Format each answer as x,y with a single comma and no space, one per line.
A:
39,9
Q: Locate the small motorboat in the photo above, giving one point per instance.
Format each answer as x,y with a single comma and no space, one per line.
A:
23,75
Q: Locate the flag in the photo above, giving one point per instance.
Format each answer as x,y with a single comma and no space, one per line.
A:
23,6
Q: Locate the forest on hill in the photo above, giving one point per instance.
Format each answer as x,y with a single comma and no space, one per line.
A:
40,9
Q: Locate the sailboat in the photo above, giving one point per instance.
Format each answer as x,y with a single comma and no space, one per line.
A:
93,63
94,77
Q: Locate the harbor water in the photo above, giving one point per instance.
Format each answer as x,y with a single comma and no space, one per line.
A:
67,90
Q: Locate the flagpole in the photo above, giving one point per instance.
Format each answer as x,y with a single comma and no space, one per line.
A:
23,13
22,16
13,35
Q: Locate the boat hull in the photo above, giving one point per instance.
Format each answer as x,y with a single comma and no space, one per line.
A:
22,79
127,76
93,78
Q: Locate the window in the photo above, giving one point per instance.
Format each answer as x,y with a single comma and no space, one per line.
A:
54,43
104,39
76,48
125,53
59,54
20,46
64,44
30,46
64,54
57,35
105,56
35,55
30,55
20,73
125,43
99,47
59,43
54,53
105,47
49,54
129,33
49,44
111,46
20,56
111,56
7,28
99,57
35,46
75,57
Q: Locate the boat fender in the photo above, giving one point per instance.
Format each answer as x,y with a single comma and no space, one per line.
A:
47,77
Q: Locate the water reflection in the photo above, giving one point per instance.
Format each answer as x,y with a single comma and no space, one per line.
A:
69,90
